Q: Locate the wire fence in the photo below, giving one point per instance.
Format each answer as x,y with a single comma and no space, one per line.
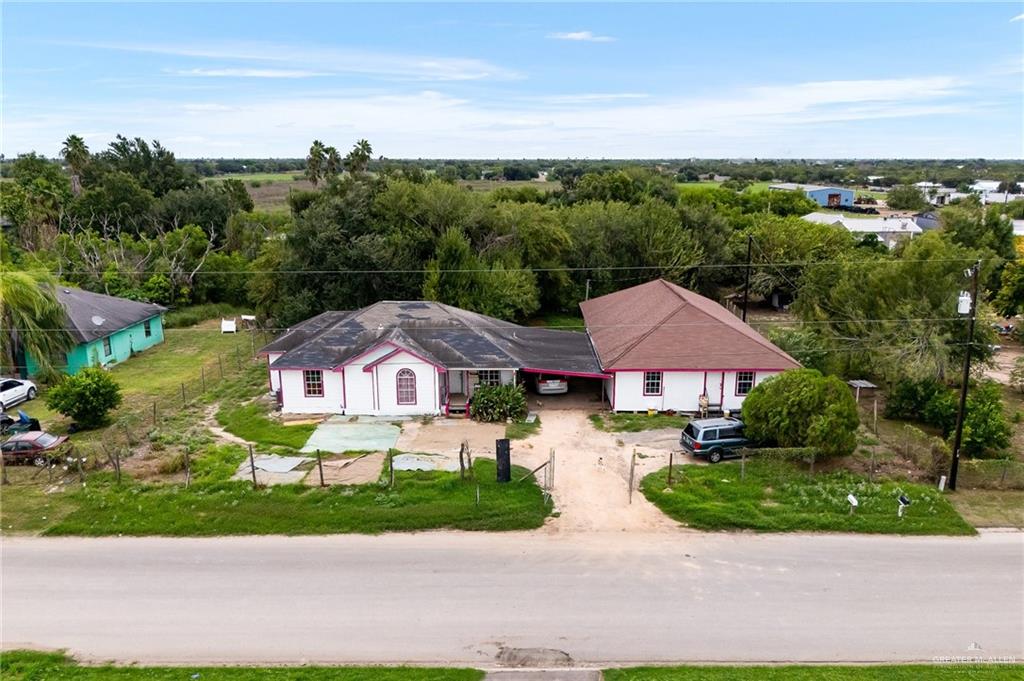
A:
134,422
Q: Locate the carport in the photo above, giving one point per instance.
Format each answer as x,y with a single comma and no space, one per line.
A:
570,355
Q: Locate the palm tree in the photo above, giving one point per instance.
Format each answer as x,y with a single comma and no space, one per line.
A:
76,155
359,157
315,161
332,162
32,317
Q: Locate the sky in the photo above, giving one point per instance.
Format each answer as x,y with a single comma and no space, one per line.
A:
489,80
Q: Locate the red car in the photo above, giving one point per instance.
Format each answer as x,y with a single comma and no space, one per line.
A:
35,447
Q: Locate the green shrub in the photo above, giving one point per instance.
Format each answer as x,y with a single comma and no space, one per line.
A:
803,408
194,314
498,403
87,397
986,428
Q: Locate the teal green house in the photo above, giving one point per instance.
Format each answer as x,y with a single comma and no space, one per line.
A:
107,330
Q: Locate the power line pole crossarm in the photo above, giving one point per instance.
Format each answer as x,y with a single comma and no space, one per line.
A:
958,438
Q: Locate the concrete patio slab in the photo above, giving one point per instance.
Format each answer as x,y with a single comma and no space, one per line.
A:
348,434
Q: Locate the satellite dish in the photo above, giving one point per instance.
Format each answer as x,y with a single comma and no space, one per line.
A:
98,320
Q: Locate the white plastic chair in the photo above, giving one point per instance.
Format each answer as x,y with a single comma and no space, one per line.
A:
228,326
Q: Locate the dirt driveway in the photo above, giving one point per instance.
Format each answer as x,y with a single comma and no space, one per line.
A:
591,490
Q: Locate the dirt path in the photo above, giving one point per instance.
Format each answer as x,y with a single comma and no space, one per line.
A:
1004,361
210,421
591,490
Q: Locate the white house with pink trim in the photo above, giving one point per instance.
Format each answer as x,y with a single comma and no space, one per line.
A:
665,348
654,346
410,359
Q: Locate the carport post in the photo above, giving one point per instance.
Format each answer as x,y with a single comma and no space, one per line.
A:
320,466
252,467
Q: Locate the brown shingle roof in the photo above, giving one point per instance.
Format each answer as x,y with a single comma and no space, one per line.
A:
659,325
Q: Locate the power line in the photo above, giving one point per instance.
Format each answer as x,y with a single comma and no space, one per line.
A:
594,268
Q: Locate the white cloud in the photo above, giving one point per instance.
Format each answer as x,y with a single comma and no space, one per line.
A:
246,73
582,36
328,59
809,119
1019,17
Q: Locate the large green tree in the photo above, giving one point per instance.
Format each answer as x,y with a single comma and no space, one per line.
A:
76,154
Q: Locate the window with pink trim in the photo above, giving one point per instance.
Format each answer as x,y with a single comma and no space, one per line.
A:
744,382
406,386
652,382
313,382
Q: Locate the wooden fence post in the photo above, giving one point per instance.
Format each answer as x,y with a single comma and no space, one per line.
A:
220,364
671,454
320,466
202,376
252,466
252,343
391,469
632,469
184,400
188,469
462,463
154,413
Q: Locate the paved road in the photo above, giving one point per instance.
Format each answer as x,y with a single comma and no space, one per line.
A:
460,597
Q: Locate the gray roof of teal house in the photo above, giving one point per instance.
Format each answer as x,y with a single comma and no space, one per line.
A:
444,335
92,316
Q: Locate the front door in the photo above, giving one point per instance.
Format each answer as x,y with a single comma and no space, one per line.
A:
456,382
714,385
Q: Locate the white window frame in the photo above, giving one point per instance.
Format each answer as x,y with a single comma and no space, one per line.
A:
739,381
409,389
313,378
649,378
489,377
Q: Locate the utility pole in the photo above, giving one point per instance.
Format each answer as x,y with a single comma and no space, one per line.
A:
746,281
955,464
587,296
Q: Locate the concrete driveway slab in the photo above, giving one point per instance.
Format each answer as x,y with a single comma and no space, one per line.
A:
344,434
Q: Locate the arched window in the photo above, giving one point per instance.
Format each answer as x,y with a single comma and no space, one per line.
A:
406,386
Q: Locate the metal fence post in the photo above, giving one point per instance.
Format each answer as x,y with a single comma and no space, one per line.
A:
252,466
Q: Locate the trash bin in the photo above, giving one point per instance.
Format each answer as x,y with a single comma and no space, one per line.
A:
503,454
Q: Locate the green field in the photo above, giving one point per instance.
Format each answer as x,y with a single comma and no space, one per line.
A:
779,497
257,177
932,672
23,665
420,500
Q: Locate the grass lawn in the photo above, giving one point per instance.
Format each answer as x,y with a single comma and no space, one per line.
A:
250,422
420,500
24,665
521,431
559,320
634,423
779,497
918,672
990,508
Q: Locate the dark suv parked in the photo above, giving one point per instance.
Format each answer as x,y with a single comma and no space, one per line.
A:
713,439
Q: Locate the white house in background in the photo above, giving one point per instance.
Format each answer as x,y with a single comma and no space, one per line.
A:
653,346
889,230
664,347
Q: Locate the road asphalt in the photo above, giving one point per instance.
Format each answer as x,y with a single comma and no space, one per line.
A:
468,598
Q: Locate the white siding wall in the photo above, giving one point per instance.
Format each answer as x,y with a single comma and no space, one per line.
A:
275,381
294,400
681,390
386,376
